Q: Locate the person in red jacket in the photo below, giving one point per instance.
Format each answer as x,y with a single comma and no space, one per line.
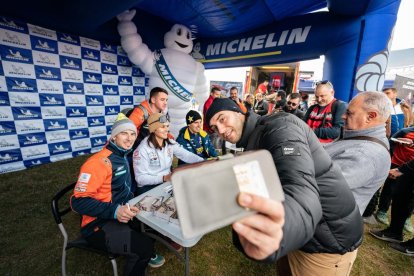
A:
215,139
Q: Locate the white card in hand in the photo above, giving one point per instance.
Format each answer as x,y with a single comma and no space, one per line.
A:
250,178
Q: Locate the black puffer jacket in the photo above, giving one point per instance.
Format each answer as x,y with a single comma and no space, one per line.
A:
321,215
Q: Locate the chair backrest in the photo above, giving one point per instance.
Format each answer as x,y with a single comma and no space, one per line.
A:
58,213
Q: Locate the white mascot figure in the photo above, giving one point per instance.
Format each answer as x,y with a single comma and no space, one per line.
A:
171,68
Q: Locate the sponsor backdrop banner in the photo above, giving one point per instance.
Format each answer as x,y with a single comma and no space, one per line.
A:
59,94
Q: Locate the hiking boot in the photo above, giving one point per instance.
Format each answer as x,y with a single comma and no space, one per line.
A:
382,217
408,227
405,248
156,261
386,235
370,220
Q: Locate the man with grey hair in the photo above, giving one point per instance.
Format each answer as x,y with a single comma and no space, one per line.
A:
362,149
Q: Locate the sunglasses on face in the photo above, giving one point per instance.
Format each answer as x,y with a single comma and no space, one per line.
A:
163,119
292,103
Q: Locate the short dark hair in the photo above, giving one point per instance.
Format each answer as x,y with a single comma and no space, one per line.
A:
293,96
234,87
281,94
214,89
154,91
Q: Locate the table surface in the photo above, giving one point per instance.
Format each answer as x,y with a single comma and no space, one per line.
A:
171,230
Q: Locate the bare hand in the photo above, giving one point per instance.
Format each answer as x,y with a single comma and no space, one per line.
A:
125,214
167,178
260,234
394,174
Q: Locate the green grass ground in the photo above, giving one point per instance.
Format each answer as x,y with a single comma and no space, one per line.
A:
30,242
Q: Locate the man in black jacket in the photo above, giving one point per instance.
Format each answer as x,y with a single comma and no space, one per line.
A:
318,226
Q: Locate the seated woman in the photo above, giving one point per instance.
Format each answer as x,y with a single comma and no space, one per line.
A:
101,195
154,156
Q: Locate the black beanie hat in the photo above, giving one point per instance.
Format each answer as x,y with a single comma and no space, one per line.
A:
192,116
221,104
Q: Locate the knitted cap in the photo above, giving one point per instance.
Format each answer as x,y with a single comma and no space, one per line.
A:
221,104
156,121
122,123
192,116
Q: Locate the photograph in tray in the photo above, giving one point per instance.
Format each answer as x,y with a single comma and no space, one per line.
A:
149,203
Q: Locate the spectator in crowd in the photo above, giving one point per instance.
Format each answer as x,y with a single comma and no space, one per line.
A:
194,139
362,152
101,195
261,106
278,100
262,88
234,95
154,156
402,207
249,102
215,139
325,117
400,112
292,105
318,226
402,152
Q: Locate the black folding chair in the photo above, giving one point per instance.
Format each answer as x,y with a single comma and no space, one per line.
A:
80,242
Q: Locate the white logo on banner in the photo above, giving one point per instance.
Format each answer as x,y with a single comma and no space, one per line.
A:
44,45
95,111
110,119
14,39
124,71
20,70
6,114
43,32
45,59
35,152
10,23
71,75
109,79
69,50
75,112
74,123
125,90
93,89
74,100
97,131
138,81
91,66
47,86
24,99
56,112
80,144
17,56
108,58
90,43
112,100
3,86
9,142
29,126
57,136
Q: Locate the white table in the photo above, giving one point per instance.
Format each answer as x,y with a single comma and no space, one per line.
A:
164,227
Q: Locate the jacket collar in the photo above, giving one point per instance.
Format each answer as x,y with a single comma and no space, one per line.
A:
188,134
117,150
248,128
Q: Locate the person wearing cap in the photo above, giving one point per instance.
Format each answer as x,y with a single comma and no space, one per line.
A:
101,196
194,139
154,156
318,226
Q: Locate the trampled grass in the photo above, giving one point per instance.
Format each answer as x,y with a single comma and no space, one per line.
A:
31,243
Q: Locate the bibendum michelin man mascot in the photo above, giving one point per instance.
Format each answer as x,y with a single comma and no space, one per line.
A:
172,68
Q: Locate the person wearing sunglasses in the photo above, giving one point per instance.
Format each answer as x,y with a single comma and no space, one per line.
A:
292,105
154,156
325,117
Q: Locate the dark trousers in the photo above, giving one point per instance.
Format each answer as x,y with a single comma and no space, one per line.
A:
387,192
120,238
402,203
372,205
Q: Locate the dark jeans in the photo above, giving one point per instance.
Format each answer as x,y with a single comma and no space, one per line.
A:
387,192
372,205
120,238
402,203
